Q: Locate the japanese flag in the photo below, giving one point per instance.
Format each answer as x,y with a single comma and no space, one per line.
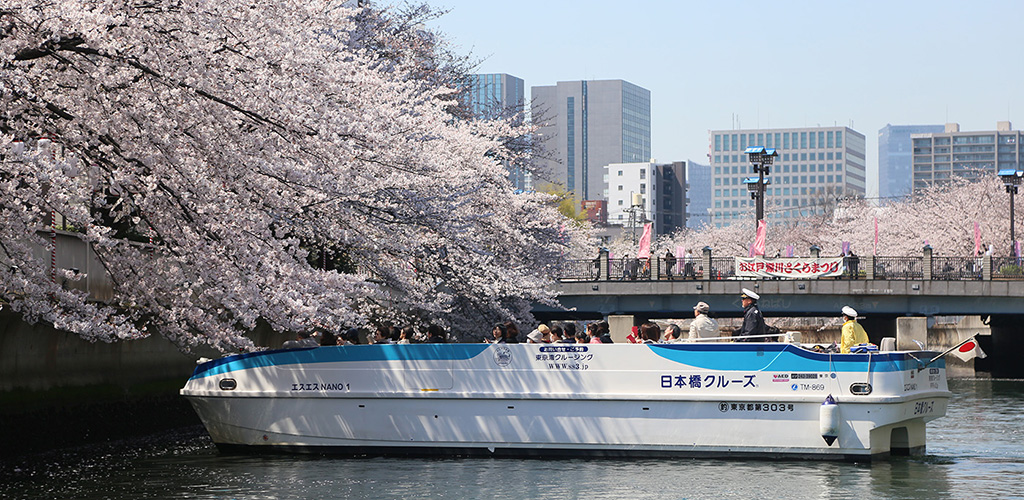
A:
969,350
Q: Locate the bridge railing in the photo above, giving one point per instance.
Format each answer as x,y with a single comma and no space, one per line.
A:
922,267
1007,268
629,269
957,268
580,270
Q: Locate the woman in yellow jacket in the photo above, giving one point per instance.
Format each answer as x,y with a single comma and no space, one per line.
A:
853,333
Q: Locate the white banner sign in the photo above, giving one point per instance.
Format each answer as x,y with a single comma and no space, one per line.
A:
759,267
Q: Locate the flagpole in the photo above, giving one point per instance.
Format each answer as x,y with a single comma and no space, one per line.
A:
947,351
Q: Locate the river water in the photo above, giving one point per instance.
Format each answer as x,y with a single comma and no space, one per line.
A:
975,452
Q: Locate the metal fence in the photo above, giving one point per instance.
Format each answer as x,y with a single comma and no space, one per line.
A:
899,268
580,270
1007,268
956,268
630,269
724,268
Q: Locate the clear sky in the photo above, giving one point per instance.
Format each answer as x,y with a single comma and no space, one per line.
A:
779,64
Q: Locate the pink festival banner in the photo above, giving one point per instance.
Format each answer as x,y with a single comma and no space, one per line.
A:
797,267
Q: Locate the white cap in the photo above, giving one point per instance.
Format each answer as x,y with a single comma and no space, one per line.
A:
849,311
749,294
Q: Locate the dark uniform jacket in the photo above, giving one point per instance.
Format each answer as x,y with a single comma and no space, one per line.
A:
753,324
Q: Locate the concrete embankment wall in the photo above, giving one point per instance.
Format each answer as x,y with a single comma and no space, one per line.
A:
58,390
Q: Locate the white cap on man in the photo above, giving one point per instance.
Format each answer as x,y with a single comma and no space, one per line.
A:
749,294
849,312
702,307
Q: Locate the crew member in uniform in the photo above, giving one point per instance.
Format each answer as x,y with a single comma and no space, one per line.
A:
753,321
853,333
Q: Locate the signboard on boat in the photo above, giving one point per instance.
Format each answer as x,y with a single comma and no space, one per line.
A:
788,267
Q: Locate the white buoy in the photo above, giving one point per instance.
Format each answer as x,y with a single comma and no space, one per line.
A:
828,418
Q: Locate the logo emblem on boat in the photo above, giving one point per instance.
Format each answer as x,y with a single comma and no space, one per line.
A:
502,355
723,407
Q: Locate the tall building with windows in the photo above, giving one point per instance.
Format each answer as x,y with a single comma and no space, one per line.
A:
492,94
815,166
895,170
698,195
585,125
940,156
497,95
646,192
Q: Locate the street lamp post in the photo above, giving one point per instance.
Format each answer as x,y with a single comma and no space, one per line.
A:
761,159
1011,179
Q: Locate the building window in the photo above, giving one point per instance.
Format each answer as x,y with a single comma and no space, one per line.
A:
620,187
620,173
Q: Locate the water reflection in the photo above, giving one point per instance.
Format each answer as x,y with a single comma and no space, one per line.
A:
977,447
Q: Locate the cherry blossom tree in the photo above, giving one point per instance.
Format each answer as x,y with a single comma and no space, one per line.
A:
245,138
943,216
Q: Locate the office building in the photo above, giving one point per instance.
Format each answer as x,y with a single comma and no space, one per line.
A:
586,125
498,95
940,156
698,195
895,169
647,192
815,166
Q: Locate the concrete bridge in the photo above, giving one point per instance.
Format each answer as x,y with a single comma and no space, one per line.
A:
881,289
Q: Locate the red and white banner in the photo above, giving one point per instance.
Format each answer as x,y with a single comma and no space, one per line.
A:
797,267
760,238
645,243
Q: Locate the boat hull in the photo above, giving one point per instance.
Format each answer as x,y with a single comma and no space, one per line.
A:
645,401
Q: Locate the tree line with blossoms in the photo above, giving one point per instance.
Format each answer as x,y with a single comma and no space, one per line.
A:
941,216
300,164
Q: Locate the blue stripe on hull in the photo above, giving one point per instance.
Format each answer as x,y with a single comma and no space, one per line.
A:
783,358
332,354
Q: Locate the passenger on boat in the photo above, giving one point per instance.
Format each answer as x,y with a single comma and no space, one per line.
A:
350,337
568,333
405,337
512,333
604,332
303,339
328,338
703,325
753,321
582,337
535,337
650,333
499,333
435,335
853,333
673,334
382,335
594,333
546,333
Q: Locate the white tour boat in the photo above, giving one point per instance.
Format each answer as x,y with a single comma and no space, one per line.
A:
547,400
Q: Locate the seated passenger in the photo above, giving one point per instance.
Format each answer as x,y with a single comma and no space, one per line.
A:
650,333
673,334
303,339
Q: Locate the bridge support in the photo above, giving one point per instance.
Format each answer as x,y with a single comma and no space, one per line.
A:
1007,343
621,325
910,329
